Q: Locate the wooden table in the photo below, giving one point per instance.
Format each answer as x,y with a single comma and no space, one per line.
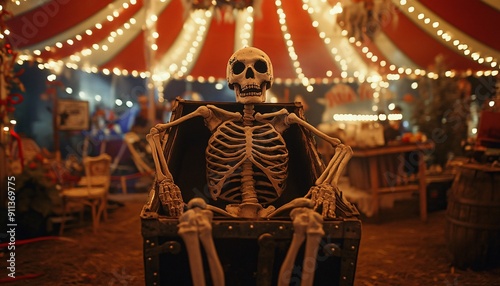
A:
391,169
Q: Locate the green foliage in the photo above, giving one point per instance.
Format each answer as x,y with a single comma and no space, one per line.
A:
441,113
36,188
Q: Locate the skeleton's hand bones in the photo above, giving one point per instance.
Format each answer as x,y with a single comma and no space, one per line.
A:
171,198
323,197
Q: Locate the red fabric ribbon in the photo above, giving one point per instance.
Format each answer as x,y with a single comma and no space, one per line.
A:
19,147
11,100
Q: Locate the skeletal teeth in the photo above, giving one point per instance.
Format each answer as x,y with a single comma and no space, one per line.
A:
255,93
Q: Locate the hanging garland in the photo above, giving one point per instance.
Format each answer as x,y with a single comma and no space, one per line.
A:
9,81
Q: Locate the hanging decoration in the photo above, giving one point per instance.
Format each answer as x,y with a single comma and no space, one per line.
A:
9,97
340,94
10,81
361,18
224,9
109,38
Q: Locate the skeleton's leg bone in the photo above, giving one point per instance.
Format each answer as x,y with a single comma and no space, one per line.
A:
188,230
204,221
300,222
298,202
314,233
265,259
220,211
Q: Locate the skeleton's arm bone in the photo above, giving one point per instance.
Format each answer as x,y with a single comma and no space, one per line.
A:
223,112
154,137
200,111
336,165
160,175
278,119
161,157
212,114
260,117
293,118
342,152
219,115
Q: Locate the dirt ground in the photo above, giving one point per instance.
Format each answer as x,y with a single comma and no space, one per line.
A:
402,251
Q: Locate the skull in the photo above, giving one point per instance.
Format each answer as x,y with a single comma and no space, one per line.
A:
249,74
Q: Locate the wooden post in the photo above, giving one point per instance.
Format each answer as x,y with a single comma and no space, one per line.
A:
55,126
3,137
150,55
3,167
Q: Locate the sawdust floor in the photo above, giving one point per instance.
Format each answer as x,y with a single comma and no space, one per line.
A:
402,251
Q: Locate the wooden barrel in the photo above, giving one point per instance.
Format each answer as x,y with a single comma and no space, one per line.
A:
473,217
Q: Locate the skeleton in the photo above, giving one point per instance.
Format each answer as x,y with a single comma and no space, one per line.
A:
246,156
307,224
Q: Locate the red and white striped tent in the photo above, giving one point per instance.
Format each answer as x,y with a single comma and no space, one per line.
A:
307,40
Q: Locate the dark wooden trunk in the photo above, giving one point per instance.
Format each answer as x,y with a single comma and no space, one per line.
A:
251,251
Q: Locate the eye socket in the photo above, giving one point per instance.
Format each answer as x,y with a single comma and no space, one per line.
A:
238,67
261,66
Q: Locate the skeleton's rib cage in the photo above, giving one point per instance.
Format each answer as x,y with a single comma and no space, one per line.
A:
190,171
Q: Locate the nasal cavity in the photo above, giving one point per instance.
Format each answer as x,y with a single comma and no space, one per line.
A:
250,73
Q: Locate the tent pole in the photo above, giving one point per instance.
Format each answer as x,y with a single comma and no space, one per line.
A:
3,135
149,53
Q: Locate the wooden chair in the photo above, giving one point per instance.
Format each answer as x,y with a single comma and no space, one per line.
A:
130,139
92,189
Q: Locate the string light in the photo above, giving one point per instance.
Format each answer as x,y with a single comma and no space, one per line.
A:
180,58
244,28
324,20
290,47
448,35
367,117
77,37
182,55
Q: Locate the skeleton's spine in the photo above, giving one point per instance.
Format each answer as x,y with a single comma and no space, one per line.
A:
248,193
248,112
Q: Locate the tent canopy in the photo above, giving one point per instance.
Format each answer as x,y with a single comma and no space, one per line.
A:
307,40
